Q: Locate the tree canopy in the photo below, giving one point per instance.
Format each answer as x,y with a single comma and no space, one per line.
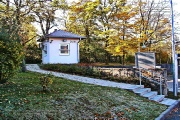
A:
112,27
120,27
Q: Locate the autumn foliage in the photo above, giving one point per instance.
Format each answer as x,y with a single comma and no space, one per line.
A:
118,27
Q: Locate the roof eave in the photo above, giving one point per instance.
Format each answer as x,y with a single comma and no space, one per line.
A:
66,37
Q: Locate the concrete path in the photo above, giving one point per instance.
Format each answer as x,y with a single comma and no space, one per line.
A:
35,68
138,89
170,84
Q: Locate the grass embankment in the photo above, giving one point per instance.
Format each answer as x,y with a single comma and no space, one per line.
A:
22,98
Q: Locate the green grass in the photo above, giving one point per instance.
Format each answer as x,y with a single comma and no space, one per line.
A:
22,99
171,95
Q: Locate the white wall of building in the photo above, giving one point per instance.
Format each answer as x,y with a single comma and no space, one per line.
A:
53,56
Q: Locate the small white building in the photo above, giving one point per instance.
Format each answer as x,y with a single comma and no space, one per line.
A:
61,47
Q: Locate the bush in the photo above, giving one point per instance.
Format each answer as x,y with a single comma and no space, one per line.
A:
69,68
130,59
11,56
45,81
33,54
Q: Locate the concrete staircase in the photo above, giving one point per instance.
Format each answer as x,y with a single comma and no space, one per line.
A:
151,95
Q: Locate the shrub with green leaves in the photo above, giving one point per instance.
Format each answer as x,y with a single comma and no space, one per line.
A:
11,55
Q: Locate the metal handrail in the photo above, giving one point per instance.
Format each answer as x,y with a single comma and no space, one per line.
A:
161,80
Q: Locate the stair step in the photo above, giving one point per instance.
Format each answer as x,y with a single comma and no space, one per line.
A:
167,101
150,95
134,87
142,91
158,98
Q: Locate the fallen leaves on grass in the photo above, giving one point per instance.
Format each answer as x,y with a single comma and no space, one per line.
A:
23,98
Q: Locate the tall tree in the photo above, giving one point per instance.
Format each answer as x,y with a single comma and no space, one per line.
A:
15,15
119,26
152,23
121,39
94,19
82,21
44,13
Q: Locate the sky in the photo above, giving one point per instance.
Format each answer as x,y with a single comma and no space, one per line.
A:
176,5
176,9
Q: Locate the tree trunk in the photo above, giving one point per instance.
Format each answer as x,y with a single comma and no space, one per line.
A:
123,59
23,66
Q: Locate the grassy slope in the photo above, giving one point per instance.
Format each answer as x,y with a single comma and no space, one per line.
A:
22,98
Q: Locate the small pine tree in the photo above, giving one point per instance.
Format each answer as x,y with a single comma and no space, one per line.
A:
45,81
10,56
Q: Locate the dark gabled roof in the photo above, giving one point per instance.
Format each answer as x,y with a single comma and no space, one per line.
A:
63,34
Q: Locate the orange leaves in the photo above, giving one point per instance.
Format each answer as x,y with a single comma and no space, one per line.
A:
127,13
120,114
77,8
123,15
165,20
110,115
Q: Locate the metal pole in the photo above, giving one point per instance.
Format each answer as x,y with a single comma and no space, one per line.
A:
160,85
140,76
175,83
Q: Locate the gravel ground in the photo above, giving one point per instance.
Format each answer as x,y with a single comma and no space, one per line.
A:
170,83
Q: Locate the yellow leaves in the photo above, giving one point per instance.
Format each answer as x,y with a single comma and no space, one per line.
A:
132,13
143,35
120,2
117,49
100,35
73,18
106,9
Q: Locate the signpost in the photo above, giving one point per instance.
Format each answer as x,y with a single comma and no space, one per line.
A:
144,60
174,55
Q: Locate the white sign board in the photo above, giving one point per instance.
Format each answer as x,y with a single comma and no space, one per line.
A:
145,60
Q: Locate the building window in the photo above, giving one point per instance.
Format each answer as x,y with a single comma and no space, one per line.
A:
64,49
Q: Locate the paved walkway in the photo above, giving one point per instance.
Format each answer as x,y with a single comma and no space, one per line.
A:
170,83
35,68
